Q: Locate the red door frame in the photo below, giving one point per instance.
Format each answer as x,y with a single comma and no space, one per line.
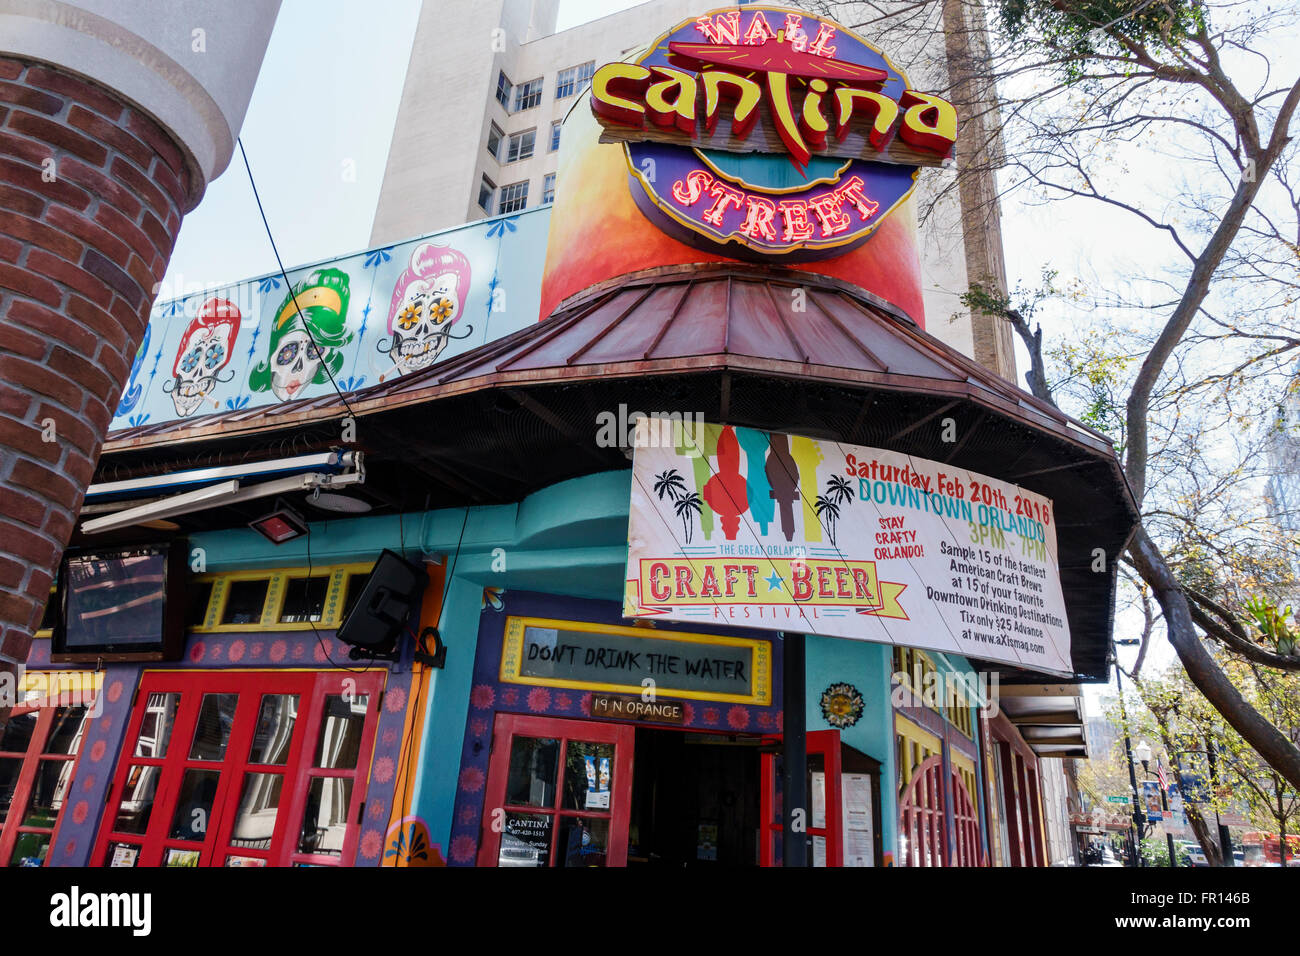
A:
827,744
313,686
508,726
922,815
32,758
966,825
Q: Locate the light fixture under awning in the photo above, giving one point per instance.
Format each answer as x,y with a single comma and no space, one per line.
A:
348,470
329,462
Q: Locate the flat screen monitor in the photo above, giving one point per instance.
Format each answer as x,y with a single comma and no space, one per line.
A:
120,604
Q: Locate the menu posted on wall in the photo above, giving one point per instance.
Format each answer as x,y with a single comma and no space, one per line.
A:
747,528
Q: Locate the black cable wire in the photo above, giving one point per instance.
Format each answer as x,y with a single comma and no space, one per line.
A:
288,284
319,640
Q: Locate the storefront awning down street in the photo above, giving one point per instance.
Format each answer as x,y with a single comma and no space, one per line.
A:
746,345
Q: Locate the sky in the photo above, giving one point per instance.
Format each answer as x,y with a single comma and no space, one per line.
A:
318,129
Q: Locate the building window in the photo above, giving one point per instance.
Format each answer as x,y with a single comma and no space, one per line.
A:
548,188
503,90
574,79
520,146
494,141
513,197
528,95
555,135
290,750
485,190
37,753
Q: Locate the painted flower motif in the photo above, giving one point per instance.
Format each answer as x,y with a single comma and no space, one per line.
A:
297,652
780,720
478,727
539,698
764,719
471,779
737,717
563,701
191,360
383,771
711,715
278,650
377,809
492,599
198,651
584,705
467,815
256,651
114,691
442,310
371,844
216,651
463,848
390,736
97,751
510,697
70,848
409,316
482,697
236,653
80,812
395,701
213,355
319,653
688,714
88,784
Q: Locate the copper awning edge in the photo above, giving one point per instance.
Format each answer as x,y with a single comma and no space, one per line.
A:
639,369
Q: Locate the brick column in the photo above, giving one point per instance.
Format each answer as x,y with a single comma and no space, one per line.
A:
91,197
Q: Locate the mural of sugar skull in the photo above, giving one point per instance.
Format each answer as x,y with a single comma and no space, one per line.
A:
427,301
205,349
131,394
307,335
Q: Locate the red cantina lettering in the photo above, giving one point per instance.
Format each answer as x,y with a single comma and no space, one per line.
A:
813,98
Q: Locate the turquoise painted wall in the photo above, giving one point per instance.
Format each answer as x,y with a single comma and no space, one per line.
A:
832,660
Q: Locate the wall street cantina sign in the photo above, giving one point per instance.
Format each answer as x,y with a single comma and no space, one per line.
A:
769,132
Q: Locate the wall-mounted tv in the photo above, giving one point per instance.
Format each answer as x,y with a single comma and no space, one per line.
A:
121,604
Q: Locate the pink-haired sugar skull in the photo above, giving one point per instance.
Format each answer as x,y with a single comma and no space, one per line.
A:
427,301
205,349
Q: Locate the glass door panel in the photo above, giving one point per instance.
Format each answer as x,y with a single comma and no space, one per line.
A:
559,793
256,780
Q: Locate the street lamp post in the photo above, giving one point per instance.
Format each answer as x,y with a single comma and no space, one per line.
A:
1142,752
1139,818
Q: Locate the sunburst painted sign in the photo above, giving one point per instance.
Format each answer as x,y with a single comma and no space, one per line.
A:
737,526
770,130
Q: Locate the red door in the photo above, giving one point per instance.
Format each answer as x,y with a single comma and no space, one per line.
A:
924,833
241,768
559,793
825,816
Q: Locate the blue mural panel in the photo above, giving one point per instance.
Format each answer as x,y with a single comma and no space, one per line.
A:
351,322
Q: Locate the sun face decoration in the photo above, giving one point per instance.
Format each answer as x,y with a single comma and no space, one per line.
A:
842,705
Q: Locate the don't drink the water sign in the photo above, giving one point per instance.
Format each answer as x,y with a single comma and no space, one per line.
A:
748,528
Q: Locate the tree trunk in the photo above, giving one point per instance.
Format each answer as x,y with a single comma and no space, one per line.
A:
1269,742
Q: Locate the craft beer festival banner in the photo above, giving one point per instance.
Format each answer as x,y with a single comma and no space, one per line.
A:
748,528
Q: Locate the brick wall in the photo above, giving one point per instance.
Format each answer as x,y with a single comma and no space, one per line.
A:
91,197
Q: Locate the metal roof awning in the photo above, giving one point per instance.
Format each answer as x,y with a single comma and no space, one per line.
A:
1050,717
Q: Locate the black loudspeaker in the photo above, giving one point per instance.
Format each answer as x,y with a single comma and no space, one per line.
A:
386,602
